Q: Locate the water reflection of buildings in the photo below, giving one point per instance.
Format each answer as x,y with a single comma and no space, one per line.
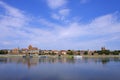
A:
29,62
35,61
19,60
56,60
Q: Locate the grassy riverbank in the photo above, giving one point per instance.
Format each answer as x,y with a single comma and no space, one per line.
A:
9,55
64,56
102,56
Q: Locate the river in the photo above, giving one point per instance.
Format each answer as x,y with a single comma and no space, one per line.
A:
18,68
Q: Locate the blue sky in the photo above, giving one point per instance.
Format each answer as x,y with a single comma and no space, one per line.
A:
60,24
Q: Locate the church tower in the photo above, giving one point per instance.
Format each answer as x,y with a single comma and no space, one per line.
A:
30,47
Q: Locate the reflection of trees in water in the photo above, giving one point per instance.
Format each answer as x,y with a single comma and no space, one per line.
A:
105,61
116,59
3,60
87,60
34,61
101,60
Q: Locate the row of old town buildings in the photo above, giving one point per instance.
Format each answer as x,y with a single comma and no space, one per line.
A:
35,50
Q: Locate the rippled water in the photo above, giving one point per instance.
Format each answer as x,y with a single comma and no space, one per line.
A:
59,69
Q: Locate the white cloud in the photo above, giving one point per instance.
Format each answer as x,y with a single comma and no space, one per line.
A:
75,35
59,10
54,4
11,24
61,15
71,31
101,30
55,16
11,10
105,24
64,12
13,17
47,23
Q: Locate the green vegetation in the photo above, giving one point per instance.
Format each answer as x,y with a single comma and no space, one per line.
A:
78,52
3,51
52,53
86,53
104,61
108,52
70,52
70,56
73,52
115,52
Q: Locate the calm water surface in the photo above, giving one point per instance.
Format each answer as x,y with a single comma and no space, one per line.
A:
59,69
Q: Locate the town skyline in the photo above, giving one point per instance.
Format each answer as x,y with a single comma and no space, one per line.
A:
60,24
37,48
32,50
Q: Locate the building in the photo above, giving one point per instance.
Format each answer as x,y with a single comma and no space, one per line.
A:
46,51
9,51
103,48
82,52
91,52
33,50
15,51
55,51
63,52
24,50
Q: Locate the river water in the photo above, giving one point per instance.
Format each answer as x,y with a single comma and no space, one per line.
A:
16,68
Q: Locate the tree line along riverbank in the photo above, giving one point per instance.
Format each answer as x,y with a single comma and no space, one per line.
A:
71,52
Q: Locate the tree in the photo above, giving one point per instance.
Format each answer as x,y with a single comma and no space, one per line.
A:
52,53
3,51
106,52
99,52
86,53
70,52
78,52
115,52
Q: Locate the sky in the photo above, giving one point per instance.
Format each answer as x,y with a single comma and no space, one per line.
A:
60,24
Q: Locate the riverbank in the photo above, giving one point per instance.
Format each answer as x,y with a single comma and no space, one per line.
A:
100,56
64,56
9,55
